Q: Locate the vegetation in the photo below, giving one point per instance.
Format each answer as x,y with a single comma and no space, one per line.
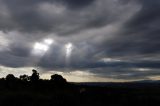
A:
33,91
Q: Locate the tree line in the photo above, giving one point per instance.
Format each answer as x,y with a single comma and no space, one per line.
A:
34,78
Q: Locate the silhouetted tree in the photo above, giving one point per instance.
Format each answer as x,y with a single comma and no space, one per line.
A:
11,81
24,77
35,76
58,79
10,77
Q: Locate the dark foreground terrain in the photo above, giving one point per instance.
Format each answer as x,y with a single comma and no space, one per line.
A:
32,91
47,93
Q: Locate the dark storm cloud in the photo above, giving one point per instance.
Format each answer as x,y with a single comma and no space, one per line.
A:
25,16
9,60
140,34
147,17
21,51
123,33
127,74
76,4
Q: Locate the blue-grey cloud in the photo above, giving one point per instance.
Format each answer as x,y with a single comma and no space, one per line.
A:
116,36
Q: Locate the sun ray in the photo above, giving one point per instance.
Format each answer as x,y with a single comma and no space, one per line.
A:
68,47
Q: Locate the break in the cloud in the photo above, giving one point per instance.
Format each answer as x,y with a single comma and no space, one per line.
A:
108,39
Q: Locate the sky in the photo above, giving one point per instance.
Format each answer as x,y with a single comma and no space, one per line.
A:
83,40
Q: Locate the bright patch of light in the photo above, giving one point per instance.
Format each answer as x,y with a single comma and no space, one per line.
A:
81,73
68,48
143,69
110,60
41,47
48,41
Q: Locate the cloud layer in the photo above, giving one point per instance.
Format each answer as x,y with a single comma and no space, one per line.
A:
116,39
